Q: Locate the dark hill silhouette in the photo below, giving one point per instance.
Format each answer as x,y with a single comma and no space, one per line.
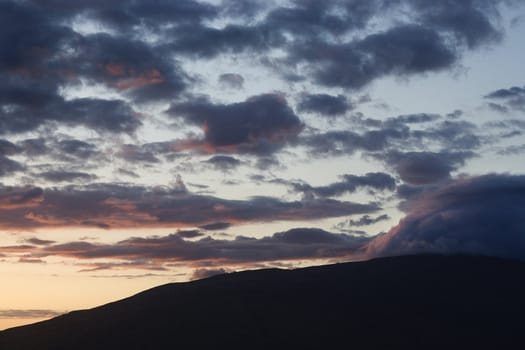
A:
415,302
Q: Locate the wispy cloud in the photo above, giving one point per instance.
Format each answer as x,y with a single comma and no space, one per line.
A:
31,313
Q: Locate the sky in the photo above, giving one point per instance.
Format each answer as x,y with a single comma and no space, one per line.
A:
146,142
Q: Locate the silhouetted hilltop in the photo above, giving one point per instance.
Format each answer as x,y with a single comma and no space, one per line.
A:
416,302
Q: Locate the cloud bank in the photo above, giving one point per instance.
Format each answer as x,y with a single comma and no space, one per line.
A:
481,215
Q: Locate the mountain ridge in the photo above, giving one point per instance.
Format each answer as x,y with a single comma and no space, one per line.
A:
408,301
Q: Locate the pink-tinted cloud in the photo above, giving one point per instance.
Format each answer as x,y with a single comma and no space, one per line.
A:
126,206
156,252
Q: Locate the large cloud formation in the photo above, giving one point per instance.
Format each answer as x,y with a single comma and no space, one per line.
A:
480,215
112,205
251,125
155,251
44,50
88,84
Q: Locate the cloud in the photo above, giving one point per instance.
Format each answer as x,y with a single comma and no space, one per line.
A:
205,42
349,184
368,220
498,108
310,18
324,105
29,313
345,142
199,274
451,134
216,226
413,118
9,166
232,80
481,215
19,197
510,99
469,22
294,244
455,114
404,50
127,16
30,260
113,116
189,233
8,148
129,66
223,163
137,154
420,168
114,205
138,50
66,176
31,36
431,38
257,125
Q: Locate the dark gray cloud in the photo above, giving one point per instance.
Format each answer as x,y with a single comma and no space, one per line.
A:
137,154
223,163
512,150
8,148
482,215
245,9
129,66
469,21
44,53
69,150
420,168
29,37
455,114
376,137
129,16
76,148
298,243
34,147
258,125
9,166
413,118
118,205
310,18
508,99
348,184
19,196
206,42
498,108
405,50
216,226
368,220
38,241
66,176
348,142
432,37
324,105
189,233
113,116
455,135
33,68
232,80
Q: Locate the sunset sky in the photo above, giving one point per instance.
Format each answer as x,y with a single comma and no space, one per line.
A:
145,142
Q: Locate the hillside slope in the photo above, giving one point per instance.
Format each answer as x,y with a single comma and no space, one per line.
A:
412,301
